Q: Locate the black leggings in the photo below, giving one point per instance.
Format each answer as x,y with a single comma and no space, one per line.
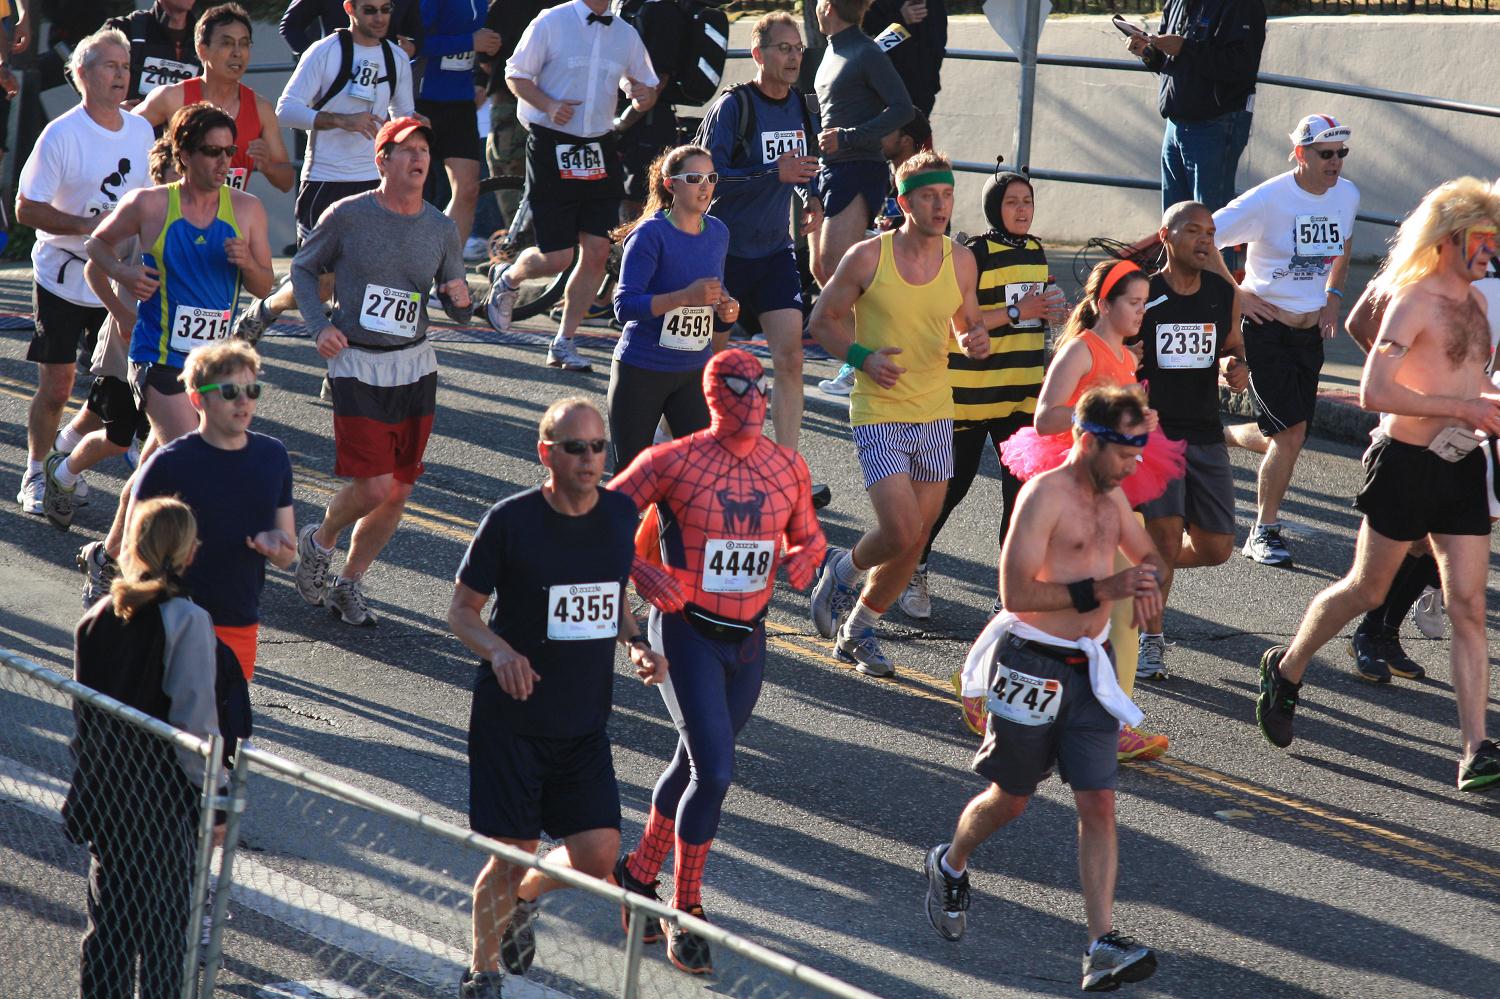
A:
968,452
1415,574
640,397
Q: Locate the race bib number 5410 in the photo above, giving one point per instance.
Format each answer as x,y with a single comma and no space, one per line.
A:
1023,698
579,612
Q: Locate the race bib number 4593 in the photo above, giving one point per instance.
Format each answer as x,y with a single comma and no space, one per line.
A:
687,328
1023,698
580,612
733,566
585,162
392,311
1185,345
193,328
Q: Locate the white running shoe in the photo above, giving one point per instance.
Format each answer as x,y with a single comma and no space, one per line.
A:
1428,614
564,354
33,491
916,601
502,299
840,384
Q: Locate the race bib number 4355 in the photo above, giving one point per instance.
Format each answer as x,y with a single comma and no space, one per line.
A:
193,328
579,612
585,162
1023,698
732,566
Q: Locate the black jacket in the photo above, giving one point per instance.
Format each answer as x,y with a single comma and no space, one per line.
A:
305,21
919,59
1215,72
154,53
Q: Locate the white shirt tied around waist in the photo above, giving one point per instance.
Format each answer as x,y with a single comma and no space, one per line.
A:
976,672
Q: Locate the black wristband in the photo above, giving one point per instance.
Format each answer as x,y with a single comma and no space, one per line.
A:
1083,596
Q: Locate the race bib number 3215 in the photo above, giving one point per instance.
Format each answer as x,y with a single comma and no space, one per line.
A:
193,327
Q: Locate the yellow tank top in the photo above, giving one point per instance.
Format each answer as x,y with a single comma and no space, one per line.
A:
916,318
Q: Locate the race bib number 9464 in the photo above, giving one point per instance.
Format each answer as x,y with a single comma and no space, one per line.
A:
579,612
1185,345
1023,698
585,162
193,328
732,566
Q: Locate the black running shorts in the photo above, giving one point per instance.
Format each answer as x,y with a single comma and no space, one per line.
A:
1411,492
1284,365
61,326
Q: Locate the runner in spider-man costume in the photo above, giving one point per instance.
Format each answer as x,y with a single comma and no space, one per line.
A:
726,499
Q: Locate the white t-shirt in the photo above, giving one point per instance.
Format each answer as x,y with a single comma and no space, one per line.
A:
1294,238
334,153
82,168
572,59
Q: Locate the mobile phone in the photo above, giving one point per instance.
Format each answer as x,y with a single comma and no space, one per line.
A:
1126,28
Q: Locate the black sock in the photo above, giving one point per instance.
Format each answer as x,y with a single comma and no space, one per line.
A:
1415,574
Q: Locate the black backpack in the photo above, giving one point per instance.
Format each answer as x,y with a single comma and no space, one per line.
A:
740,94
346,67
704,49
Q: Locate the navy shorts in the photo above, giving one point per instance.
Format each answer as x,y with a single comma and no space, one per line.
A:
764,284
522,786
839,183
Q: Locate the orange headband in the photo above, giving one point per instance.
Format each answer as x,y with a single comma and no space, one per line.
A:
1117,272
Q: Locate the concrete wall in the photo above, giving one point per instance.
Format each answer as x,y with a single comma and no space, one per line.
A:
1106,122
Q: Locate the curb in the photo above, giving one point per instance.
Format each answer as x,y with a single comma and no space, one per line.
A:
1337,415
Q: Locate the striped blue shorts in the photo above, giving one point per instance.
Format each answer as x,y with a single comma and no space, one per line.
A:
921,451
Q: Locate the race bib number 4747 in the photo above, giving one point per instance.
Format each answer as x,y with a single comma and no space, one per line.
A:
579,612
1023,698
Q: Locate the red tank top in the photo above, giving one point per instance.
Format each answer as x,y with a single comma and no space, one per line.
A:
246,129
1106,369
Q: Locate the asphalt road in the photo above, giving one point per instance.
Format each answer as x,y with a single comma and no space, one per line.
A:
1346,866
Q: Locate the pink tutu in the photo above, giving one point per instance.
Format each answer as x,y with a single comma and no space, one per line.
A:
1028,453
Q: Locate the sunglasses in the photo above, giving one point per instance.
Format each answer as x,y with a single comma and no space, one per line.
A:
214,152
695,178
377,11
577,447
786,48
231,391
739,386
1328,154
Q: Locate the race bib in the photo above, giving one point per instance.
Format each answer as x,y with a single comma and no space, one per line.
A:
584,162
98,206
1318,236
737,566
363,80
775,144
159,72
1023,698
1454,443
1185,345
892,36
392,311
1013,295
688,327
462,61
193,328
582,612
237,178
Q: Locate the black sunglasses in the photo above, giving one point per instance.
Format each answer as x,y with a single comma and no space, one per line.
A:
576,447
1328,154
231,391
214,152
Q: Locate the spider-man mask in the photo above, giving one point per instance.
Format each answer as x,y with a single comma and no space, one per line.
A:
736,387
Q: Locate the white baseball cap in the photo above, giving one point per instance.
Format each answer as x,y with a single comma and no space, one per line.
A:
1320,128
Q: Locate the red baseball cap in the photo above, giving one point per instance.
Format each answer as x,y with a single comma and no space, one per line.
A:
399,130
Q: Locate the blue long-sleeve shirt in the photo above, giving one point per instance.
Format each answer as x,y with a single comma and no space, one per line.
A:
448,28
659,259
751,199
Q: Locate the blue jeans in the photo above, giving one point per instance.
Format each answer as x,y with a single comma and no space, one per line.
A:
1199,158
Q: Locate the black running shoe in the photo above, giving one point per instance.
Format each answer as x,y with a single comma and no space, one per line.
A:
1399,663
518,940
1117,958
1369,655
1278,699
688,951
1481,771
821,495
651,932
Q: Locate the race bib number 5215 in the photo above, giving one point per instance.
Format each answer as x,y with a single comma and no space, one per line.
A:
1023,698
1318,236
579,612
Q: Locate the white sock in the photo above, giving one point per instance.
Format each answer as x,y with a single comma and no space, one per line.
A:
66,477
67,439
844,569
860,619
313,537
1093,947
33,466
943,863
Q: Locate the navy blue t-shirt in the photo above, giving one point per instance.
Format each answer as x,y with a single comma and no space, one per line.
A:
558,582
234,495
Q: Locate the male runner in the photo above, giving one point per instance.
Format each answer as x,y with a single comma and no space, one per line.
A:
573,179
385,249
223,41
1190,335
760,135
1425,471
727,500
1299,227
345,87
1045,666
239,486
161,46
557,558
906,289
83,163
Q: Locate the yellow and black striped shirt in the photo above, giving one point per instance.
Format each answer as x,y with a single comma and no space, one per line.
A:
1007,382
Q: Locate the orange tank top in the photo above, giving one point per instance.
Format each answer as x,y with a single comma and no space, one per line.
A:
1105,368
246,129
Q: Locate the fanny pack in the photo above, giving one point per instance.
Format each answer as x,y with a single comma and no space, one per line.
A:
718,627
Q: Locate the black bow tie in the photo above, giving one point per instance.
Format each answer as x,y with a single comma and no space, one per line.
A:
604,19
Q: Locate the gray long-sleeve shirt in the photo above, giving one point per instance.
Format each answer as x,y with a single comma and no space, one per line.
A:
383,265
860,94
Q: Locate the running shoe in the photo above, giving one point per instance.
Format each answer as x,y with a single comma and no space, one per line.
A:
99,571
346,601
57,499
80,492
916,601
830,600
597,314
947,897
250,325
1369,655
480,985
1399,663
688,951
821,495
651,932
1277,703
1136,744
502,299
476,248
1427,613
1264,545
312,567
1150,663
518,939
1117,959
996,608
973,708
1482,769
864,652
32,496
840,384
564,354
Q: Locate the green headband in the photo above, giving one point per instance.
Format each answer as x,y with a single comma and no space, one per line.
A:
917,180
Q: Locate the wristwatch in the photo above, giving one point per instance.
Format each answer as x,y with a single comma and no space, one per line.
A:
1014,312
640,641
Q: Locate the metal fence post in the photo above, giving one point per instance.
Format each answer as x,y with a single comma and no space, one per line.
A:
208,800
634,938
235,807
1027,93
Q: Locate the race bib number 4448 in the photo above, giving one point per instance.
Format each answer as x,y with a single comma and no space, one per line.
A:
733,566
1023,698
579,612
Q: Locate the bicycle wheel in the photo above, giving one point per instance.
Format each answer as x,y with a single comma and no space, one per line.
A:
539,295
